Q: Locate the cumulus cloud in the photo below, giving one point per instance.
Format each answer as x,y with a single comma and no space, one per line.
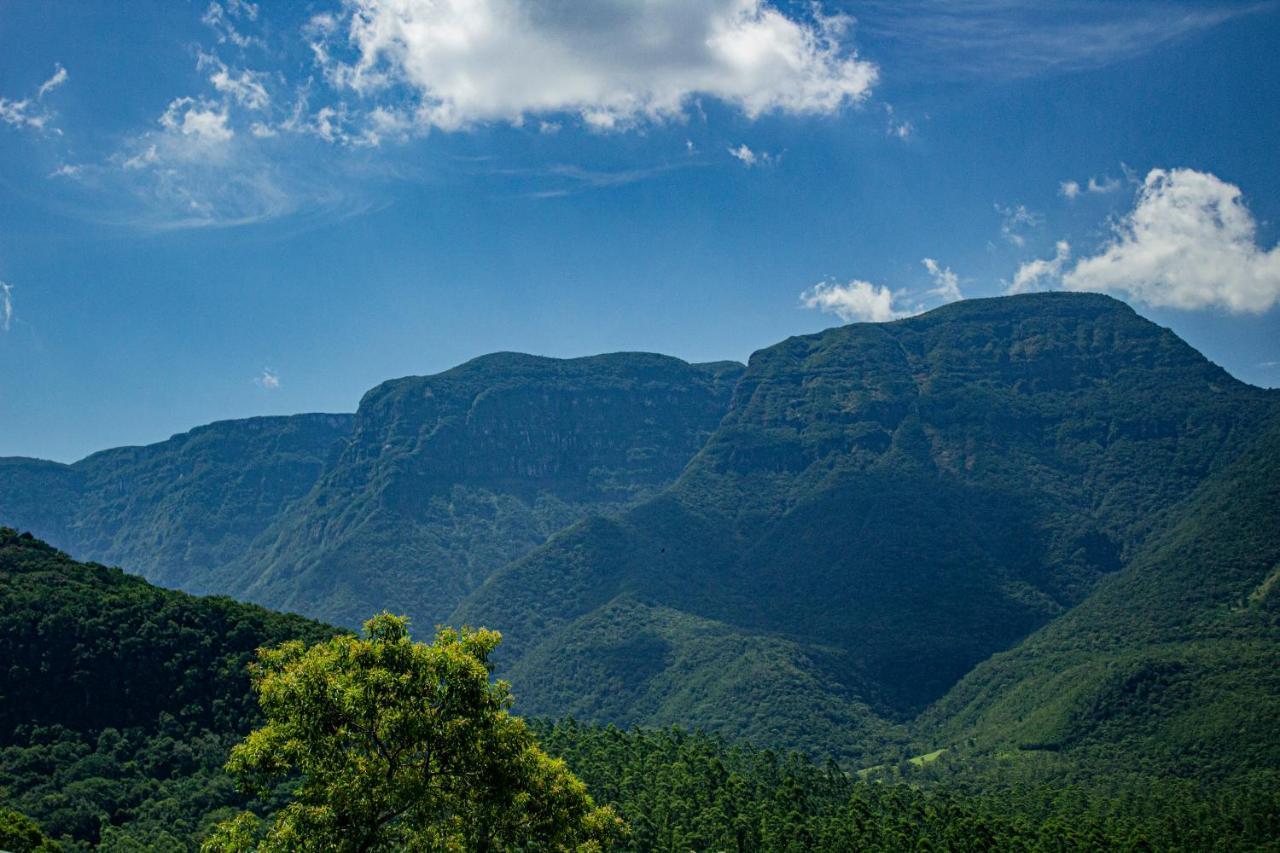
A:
201,121
1069,189
6,306
1042,272
268,380
1189,242
1015,221
855,301
611,62
946,284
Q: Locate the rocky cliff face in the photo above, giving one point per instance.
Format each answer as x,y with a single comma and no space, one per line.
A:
449,477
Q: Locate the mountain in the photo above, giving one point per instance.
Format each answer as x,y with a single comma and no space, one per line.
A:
883,507
449,477
173,510
119,700
1174,661
408,505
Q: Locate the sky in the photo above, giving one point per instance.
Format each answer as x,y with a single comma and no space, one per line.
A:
222,209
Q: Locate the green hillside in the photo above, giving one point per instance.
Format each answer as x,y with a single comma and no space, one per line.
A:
174,510
449,477
120,700
884,507
1173,664
436,481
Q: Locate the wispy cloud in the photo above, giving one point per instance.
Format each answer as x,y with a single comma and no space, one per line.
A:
1021,38
59,77
267,380
6,306
749,157
1094,186
1041,273
29,112
946,284
1015,221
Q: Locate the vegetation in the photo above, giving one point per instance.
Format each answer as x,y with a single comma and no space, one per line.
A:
884,507
437,481
345,724
119,701
402,745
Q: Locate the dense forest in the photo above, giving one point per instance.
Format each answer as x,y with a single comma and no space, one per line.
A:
122,702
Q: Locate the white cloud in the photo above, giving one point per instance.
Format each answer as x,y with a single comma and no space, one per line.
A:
268,380
221,18
245,87
611,62
1042,272
1106,185
6,306
200,120
1016,220
749,158
59,77
855,301
946,284
899,128
1094,186
1189,242
28,112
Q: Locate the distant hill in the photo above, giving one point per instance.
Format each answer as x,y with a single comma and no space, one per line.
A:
409,504
175,510
883,507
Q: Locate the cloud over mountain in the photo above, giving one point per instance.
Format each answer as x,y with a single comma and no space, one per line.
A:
1189,242
612,62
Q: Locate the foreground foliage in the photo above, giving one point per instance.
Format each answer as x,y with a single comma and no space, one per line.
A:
402,745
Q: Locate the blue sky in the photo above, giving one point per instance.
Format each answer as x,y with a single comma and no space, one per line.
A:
216,210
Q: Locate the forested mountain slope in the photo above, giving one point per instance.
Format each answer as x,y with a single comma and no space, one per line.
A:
1172,666
449,477
173,510
883,507
407,505
119,702
118,699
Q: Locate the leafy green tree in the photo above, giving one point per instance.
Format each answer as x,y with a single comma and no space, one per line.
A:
401,745
21,834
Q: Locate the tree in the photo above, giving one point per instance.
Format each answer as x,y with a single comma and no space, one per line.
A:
392,744
21,834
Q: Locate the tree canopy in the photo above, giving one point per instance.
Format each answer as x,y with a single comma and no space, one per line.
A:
402,745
